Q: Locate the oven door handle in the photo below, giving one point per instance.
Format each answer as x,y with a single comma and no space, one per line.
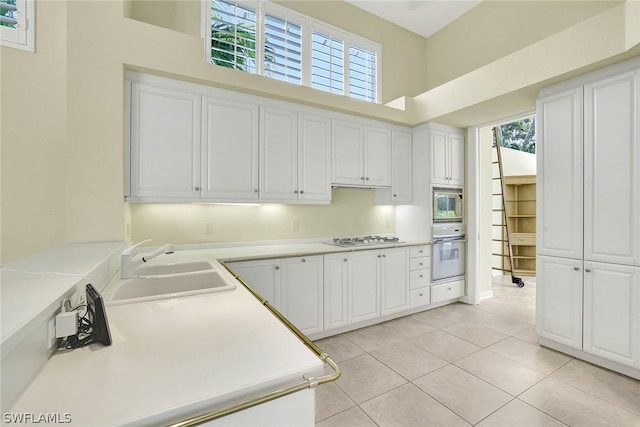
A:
449,239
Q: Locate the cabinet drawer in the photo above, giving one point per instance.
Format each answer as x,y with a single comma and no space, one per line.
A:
419,263
419,251
419,278
526,239
419,297
447,291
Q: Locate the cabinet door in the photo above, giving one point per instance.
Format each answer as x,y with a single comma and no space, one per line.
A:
301,292
165,142
347,153
612,170
559,300
456,159
335,290
263,276
394,283
363,286
559,181
377,157
401,168
230,150
611,312
314,158
439,163
278,154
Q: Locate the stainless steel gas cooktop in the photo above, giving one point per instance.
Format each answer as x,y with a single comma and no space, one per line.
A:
347,242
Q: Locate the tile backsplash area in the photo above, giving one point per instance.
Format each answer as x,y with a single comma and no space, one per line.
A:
352,212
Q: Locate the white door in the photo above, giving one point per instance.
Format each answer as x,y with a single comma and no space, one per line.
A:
230,150
612,170
402,171
165,142
394,283
439,160
301,292
559,229
612,312
347,153
335,290
377,157
559,300
263,276
363,286
314,158
278,154
456,161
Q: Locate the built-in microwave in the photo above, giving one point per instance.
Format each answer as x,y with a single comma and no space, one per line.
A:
447,205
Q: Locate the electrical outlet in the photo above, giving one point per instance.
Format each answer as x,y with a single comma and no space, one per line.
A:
295,225
208,227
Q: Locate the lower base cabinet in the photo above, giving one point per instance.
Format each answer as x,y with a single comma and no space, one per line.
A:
590,306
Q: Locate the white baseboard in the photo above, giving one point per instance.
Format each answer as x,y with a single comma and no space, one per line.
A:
486,295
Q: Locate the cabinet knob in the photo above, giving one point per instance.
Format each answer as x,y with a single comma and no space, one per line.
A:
420,294
344,259
362,178
420,263
303,260
378,256
277,267
255,190
295,191
576,268
395,195
367,179
301,191
587,270
421,276
384,256
196,189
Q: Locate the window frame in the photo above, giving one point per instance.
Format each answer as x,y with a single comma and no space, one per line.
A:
24,36
308,26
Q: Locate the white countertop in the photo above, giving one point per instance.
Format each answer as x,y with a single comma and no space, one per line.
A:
171,359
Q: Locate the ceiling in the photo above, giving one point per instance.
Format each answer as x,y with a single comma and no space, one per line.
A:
423,17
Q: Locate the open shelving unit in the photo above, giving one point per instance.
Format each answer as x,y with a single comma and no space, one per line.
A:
521,214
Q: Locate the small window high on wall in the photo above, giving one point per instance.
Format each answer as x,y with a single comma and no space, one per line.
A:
17,24
264,38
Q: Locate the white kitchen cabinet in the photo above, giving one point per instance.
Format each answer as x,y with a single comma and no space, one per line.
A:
230,150
363,289
347,153
612,312
394,283
164,142
314,158
559,300
278,154
401,167
361,155
335,290
447,155
262,275
301,292
612,169
588,215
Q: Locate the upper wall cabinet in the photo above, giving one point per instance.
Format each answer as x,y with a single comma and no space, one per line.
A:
361,155
401,191
447,155
230,150
164,142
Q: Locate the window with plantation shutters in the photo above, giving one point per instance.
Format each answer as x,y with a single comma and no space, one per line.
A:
17,24
261,37
362,73
327,63
283,49
233,36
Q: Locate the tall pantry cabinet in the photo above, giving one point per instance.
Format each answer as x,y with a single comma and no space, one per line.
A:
588,238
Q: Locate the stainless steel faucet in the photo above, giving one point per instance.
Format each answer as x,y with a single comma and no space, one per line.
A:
128,262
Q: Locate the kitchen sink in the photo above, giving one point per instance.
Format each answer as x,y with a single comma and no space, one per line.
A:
147,288
181,267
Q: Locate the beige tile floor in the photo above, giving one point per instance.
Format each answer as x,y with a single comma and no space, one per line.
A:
462,365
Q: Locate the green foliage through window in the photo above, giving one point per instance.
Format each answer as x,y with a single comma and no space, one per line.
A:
8,13
519,135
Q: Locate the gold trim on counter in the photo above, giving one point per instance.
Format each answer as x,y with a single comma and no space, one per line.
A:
308,382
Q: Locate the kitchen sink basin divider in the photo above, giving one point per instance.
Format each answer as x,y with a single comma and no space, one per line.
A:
308,382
